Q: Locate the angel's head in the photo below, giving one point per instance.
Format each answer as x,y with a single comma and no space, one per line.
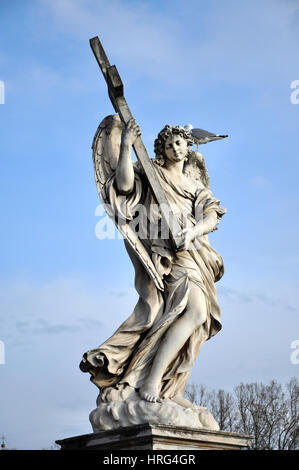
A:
173,143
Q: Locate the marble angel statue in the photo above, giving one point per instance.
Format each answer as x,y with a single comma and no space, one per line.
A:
143,368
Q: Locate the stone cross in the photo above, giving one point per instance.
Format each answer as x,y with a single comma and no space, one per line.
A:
116,94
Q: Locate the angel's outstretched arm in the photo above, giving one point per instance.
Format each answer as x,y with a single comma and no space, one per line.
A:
203,227
124,177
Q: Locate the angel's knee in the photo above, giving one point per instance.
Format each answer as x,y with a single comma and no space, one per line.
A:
195,317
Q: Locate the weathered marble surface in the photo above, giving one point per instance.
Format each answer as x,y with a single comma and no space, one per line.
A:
143,368
157,437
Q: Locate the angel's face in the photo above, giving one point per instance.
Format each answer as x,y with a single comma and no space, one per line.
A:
176,148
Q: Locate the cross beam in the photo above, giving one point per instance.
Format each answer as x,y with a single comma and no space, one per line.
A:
116,94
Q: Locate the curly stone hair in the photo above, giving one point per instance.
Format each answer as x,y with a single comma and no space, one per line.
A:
168,131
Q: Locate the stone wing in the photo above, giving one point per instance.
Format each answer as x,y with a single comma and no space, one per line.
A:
106,148
195,168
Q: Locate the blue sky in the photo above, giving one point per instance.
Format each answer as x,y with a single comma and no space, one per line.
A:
224,66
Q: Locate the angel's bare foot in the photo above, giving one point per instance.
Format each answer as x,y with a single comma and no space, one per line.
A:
149,392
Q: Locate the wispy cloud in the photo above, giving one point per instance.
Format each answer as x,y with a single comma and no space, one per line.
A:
249,48
57,307
118,293
245,46
135,33
261,182
255,297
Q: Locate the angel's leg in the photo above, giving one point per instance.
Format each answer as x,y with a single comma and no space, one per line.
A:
175,338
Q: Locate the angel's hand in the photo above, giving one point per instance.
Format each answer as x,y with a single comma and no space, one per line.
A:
130,132
188,235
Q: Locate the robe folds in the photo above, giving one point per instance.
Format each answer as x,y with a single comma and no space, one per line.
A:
126,357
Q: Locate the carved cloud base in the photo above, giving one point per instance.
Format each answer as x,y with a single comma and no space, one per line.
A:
122,408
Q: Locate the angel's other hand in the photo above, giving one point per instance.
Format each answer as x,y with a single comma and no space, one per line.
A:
131,131
187,236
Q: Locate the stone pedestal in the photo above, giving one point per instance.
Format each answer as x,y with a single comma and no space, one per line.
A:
157,437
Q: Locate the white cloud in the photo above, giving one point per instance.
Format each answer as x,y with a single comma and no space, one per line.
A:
230,41
233,41
56,307
134,34
251,40
261,181
35,79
